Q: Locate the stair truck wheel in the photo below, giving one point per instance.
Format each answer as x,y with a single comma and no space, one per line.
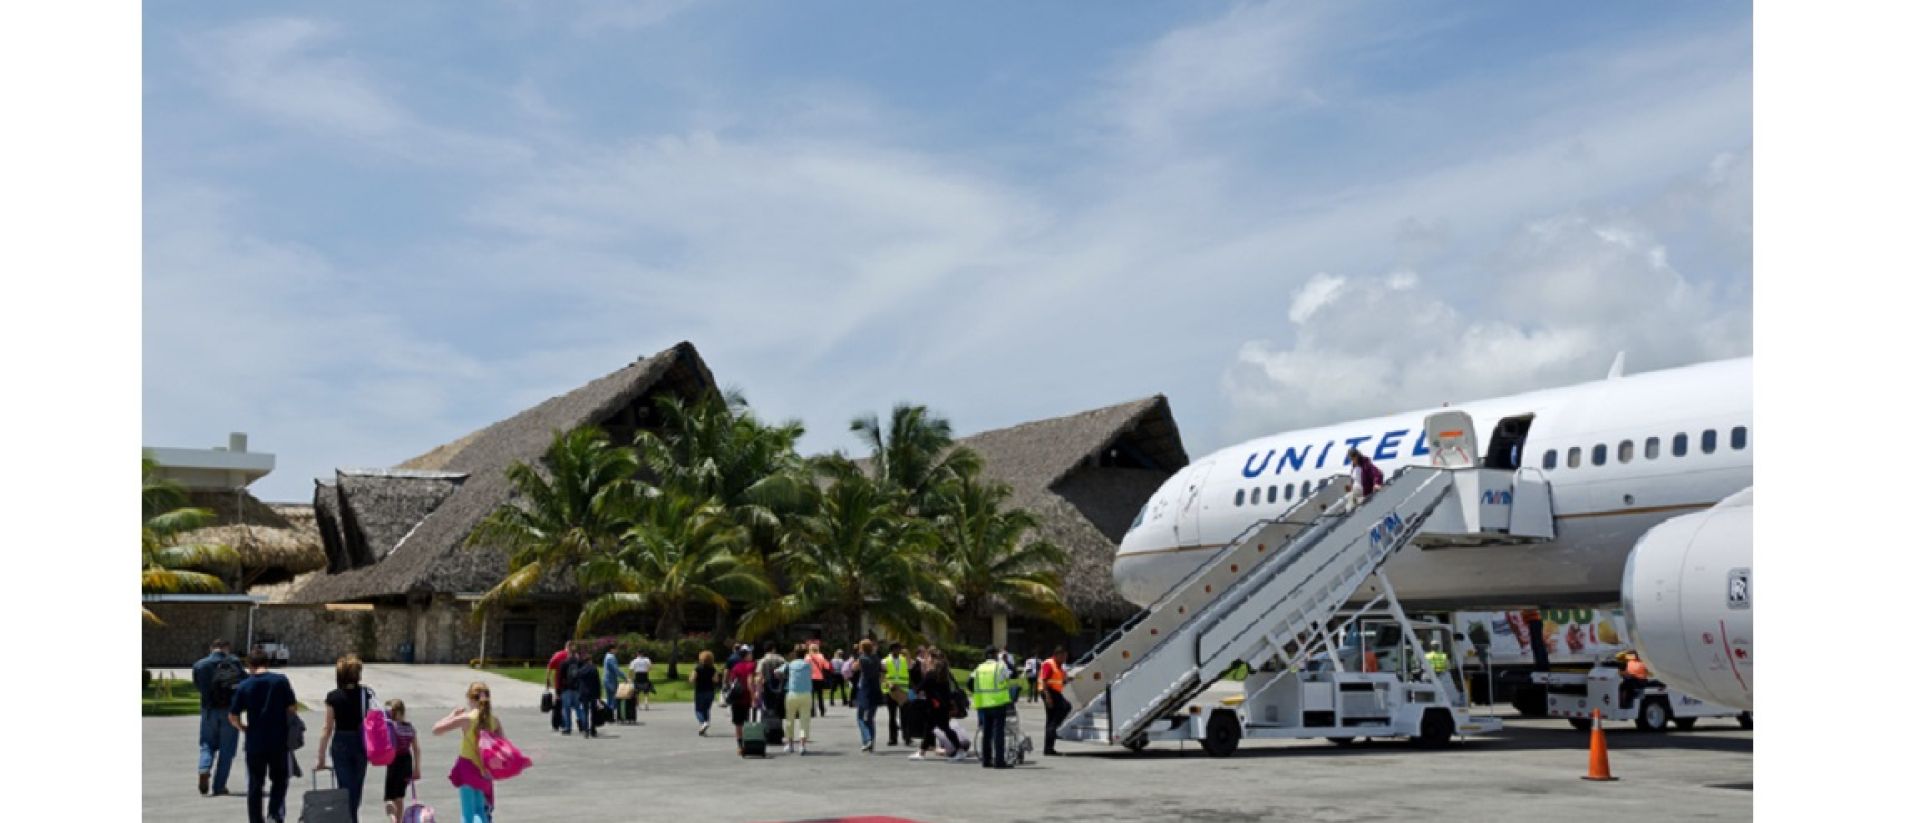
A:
1136,743
1223,734
1436,729
1653,716
1746,720
1685,723
1582,723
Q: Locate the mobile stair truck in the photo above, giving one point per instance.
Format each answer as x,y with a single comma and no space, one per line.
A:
1272,598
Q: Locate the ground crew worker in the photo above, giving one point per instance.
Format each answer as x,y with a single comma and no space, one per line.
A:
992,696
1053,682
1633,677
1437,660
895,677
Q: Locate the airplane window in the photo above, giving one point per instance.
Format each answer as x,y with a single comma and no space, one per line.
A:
1240,497
1680,445
1652,451
1289,490
1573,457
1707,439
1273,493
1739,438
1550,459
1600,454
1625,452
1137,518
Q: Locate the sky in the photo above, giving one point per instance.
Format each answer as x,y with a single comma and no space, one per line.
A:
371,228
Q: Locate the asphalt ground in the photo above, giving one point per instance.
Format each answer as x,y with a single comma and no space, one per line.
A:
660,769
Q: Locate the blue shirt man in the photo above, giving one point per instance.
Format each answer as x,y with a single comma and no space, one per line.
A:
266,700
215,676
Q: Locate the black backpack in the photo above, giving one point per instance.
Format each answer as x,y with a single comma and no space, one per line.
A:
777,681
227,675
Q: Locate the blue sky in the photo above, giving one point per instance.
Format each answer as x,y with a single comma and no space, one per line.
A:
373,227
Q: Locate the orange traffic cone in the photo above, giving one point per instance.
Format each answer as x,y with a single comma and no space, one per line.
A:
1597,768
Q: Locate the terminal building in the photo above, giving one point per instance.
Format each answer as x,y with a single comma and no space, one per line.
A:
394,580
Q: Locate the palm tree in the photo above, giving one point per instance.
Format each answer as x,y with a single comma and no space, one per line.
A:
715,448
567,511
684,550
984,556
914,454
857,555
166,565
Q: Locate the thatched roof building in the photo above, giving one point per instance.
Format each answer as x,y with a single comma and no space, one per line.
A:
1085,476
276,541
400,534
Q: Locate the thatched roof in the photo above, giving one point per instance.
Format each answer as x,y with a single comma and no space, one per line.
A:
1085,475
431,558
379,507
275,540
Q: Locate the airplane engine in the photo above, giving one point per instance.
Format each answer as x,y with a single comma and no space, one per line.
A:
1688,595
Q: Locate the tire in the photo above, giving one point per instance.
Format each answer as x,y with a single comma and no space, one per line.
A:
1137,744
1436,729
1584,724
1746,720
1684,723
1223,734
1341,741
1654,715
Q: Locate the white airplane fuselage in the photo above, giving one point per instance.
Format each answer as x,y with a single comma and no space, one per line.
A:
1600,508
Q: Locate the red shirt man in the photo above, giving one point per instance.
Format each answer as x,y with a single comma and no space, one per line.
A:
554,663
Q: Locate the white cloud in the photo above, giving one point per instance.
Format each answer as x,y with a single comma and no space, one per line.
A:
1319,290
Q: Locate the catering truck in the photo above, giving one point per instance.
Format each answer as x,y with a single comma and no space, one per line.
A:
1501,656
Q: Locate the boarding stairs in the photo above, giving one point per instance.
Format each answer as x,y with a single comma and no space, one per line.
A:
1272,592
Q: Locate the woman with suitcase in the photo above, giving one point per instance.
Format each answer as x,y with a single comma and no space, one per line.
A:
346,709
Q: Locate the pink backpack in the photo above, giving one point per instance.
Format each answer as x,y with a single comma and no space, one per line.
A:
376,732
503,759
416,812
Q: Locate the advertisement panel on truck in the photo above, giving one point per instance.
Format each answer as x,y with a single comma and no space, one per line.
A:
1572,635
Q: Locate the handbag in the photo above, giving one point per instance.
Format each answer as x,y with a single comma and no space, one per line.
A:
375,732
625,692
502,759
546,702
296,732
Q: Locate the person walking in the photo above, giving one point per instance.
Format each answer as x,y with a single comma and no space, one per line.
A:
611,680
556,683
840,681
469,773
770,685
1053,684
216,677
267,702
818,666
991,698
867,694
405,767
1366,477
584,677
1031,670
346,709
740,690
801,689
896,681
706,681
642,668
943,698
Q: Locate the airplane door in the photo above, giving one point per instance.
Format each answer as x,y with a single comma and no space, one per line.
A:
1450,435
1186,521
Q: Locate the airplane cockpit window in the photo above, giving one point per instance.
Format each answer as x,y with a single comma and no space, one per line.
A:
1138,518
1707,439
1550,459
1652,451
1739,439
1600,454
1680,445
1625,451
1573,457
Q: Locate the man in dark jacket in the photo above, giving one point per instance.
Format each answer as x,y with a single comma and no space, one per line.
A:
217,676
266,702
584,676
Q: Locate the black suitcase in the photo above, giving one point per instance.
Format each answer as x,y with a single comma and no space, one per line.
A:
753,740
775,734
546,702
600,713
326,805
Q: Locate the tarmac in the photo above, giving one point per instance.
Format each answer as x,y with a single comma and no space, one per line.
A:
660,769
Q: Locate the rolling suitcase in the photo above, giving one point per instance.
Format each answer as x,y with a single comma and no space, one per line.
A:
753,740
326,805
773,731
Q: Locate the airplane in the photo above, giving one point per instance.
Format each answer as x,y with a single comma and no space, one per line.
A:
1621,456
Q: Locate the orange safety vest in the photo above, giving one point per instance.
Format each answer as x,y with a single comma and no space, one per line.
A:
1635,668
1052,676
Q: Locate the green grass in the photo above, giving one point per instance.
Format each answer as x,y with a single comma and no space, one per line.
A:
664,691
154,702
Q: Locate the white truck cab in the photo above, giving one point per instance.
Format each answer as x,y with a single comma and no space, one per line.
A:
1575,696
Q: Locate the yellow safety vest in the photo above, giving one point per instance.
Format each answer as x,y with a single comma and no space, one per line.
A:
1438,660
990,686
897,672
